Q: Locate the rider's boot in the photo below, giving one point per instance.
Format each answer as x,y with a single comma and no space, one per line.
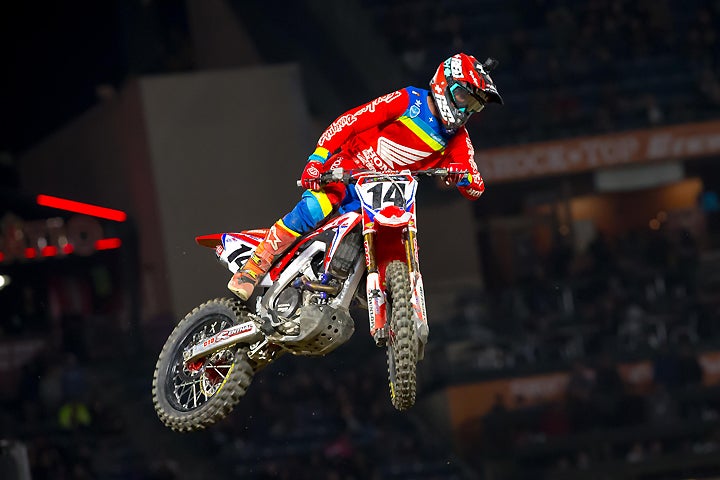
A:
277,241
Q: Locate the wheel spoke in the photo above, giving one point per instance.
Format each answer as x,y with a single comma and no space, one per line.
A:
222,365
192,396
191,393
185,384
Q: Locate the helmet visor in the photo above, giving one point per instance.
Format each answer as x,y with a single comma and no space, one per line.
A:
465,101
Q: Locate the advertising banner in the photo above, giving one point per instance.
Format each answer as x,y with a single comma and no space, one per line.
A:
576,155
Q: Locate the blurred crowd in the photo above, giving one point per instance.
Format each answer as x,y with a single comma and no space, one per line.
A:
639,297
68,431
328,418
569,68
331,417
626,297
601,426
648,296
635,297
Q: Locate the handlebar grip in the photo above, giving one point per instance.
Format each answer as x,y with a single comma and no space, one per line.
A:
334,175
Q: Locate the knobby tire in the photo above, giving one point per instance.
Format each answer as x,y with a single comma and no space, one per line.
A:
403,342
230,390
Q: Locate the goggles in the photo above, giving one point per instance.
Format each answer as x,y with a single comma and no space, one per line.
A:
465,101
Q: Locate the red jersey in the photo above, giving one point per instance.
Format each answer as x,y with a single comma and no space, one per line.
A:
396,132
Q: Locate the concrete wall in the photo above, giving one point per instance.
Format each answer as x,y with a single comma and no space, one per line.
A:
449,254
219,39
226,149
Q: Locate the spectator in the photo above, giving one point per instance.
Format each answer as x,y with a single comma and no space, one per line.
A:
608,391
691,372
655,115
661,406
636,454
561,257
667,369
686,262
600,254
579,394
74,415
51,387
497,427
554,420
74,378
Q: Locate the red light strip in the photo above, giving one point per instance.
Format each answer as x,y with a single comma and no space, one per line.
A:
83,208
51,251
108,244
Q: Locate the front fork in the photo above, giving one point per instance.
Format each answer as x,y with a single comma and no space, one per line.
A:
376,293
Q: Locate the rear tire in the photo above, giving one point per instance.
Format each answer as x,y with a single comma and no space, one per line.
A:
192,397
402,342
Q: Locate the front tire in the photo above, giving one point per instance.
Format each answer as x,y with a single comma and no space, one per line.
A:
193,396
402,347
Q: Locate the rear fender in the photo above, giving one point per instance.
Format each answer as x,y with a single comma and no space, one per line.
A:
210,241
233,249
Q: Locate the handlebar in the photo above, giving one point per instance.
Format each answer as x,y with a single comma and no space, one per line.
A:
346,176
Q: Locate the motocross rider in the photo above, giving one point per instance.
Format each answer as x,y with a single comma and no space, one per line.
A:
409,129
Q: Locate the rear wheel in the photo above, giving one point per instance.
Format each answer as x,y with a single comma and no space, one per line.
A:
402,345
191,396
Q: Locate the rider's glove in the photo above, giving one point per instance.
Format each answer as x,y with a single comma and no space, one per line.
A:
474,189
310,179
457,175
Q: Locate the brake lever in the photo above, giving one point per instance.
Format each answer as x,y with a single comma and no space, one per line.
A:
437,172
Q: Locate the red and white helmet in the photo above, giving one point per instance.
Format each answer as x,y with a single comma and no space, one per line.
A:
462,86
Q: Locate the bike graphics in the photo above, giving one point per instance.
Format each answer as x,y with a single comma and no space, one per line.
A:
366,258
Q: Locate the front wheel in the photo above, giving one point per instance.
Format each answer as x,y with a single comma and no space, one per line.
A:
402,347
192,396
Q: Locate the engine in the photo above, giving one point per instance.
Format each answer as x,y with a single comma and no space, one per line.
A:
314,286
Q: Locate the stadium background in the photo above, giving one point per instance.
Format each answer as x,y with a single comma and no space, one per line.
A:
573,317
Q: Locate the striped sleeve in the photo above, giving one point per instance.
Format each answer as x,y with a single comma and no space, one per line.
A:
376,112
460,149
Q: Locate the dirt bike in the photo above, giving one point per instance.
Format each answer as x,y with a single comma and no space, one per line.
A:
302,305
